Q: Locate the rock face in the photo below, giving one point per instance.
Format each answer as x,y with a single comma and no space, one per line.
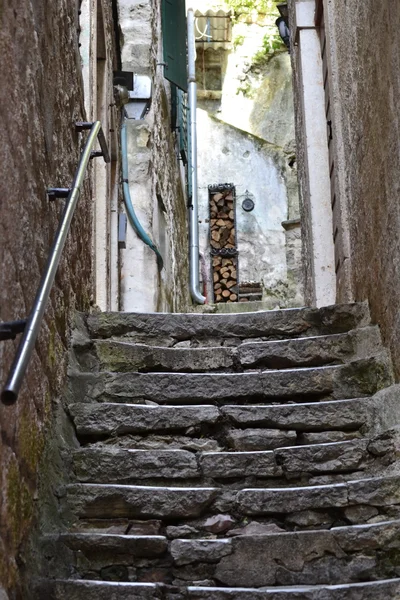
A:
268,473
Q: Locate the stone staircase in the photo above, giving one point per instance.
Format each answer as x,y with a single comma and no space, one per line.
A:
231,457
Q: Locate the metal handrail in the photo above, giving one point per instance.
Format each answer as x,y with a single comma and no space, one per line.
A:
13,384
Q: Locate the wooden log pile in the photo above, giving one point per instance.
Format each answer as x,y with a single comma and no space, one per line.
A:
223,240
225,279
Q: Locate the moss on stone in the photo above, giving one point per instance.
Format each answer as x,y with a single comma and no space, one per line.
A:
19,503
30,441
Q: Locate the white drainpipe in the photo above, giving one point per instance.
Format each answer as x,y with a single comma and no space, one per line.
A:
193,209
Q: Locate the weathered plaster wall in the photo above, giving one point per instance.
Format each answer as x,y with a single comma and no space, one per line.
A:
302,174
250,143
256,167
156,180
41,98
364,67
365,71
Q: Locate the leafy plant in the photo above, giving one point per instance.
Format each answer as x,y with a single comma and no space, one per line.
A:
247,6
238,41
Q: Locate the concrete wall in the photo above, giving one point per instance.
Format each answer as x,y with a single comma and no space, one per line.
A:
155,176
41,97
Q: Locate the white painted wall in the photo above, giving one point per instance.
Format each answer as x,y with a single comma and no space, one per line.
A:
229,155
317,157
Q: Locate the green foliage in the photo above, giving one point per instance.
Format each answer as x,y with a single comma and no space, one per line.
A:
238,41
247,6
271,43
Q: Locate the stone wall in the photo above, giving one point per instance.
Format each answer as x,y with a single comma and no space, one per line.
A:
155,176
41,98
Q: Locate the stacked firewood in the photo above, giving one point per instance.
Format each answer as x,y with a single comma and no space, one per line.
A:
223,243
222,220
225,279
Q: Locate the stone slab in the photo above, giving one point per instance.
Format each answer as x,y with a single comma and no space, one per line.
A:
247,440
124,357
341,414
115,465
103,590
337,457
185,552
295,322
116,501
133,545
239,464
287,500
356,379
105,419
376,590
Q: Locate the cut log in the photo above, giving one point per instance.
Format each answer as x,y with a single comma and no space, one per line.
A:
216,277
233,297
226,294
231,283
215,235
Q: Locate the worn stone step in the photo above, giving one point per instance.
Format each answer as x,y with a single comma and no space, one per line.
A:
335,556
93,419
97,501
325,421
138,502
375,590
171,328
355,379
115,465
375,492
122,356
133,546
340,555
99,590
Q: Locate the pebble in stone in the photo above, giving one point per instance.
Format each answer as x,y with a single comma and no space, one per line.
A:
180,531
218,523
360,514
255,528
310,518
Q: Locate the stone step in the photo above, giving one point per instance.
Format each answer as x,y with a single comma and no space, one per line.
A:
375,590
71,589
170,328
114,465
122,356
336,556
109,590
335,417
133,546
355,379
96,501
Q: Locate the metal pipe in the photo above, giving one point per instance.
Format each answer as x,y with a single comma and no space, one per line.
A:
11,389
194,208
128,200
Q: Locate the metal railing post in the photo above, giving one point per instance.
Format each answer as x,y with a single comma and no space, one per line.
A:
13,384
